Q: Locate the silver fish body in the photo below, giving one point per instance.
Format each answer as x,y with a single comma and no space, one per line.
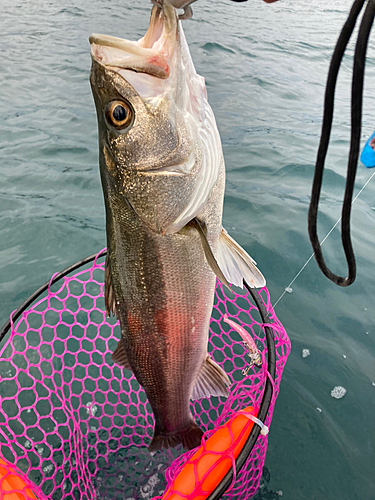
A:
162,168
164,294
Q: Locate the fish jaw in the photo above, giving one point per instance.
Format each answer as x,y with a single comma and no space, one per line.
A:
151,58
157,64
155,55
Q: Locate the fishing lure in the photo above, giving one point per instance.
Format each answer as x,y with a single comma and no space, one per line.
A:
254,353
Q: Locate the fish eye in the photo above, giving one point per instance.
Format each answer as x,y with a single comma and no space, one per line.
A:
119,114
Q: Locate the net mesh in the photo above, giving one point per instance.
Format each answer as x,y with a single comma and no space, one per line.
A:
78,426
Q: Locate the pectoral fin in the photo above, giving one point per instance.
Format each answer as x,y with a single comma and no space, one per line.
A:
208,252
109,296
212,381
236,264
120,357
231,264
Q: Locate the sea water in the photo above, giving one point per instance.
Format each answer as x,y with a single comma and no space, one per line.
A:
265,68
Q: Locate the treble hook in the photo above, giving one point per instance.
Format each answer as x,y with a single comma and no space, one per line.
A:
183,4
188,11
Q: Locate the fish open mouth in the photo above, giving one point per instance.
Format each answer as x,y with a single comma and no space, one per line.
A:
150,55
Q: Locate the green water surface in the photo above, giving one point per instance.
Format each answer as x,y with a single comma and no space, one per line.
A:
265,68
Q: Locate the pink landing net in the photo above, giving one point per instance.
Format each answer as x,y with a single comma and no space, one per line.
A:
78,425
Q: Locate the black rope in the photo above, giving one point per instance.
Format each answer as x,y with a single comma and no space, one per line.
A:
356,119
43,288
265,404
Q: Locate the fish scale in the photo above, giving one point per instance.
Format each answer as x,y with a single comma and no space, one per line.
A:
156,312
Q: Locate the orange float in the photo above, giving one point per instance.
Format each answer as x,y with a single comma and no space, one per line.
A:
201,474
12,484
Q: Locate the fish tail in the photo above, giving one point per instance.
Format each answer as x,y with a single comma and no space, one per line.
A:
189,436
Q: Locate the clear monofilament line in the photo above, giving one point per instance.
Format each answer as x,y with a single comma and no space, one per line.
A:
327,235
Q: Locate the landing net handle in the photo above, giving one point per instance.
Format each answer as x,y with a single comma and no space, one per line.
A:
268,390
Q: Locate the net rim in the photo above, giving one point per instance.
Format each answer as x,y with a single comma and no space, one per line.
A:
16,314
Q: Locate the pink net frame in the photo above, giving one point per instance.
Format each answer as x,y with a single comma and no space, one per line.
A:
78,426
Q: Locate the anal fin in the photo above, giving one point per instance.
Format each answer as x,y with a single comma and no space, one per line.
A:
236,264
211,381
120,357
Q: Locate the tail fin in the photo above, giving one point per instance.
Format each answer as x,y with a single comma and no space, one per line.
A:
190,437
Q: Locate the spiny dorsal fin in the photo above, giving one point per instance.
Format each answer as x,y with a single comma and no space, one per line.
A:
211,381
236,264
109,296
120,357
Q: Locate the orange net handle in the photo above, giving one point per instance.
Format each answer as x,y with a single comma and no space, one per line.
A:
12,485
201,474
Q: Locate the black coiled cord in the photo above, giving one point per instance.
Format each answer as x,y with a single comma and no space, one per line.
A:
356,120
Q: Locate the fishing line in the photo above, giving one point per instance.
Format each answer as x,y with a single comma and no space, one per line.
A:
321,244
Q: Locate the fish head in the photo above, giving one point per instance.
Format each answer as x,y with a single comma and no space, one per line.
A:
151,105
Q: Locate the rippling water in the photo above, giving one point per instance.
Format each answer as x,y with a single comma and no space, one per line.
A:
265,68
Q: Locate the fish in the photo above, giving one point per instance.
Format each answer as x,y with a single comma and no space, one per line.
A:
163,178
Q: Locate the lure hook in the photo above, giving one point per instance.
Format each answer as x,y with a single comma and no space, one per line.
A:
179,4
